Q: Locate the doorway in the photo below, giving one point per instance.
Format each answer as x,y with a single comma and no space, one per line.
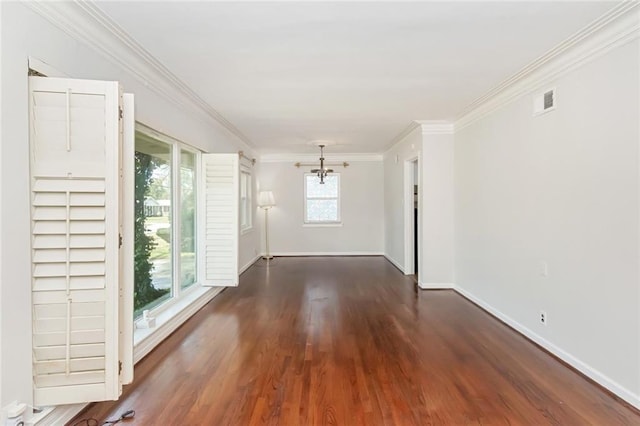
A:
412,215
415,229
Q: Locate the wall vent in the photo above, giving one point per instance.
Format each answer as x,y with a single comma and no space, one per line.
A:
544,102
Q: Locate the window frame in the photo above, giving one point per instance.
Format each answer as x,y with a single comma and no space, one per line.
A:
338,221
177,146
248,206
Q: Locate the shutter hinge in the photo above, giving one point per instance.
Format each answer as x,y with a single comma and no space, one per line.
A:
119,367
119,240
120,112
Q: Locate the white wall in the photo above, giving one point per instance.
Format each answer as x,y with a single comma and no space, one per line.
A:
395,162
560,188
436,209
1,222
434,151
361,191
24,33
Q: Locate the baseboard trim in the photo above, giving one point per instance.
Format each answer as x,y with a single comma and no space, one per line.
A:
326,253
436,286
58,415
249,264
394,263
588,371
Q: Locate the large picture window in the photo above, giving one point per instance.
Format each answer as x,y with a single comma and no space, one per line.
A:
321,201
165,221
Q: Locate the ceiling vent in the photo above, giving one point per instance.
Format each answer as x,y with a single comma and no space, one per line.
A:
544,102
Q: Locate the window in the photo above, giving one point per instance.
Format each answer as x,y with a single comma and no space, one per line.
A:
245,200
188,272
322,201
165,220
153,223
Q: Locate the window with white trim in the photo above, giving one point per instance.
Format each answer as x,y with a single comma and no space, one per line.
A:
165,219
246,209
321,200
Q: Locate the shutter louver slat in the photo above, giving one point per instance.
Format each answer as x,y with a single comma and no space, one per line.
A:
51,325
80,337
77,296
77,310
78,364
76,186
75,283
49,353
74,182
79,378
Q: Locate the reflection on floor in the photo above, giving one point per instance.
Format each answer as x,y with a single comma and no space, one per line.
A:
350,341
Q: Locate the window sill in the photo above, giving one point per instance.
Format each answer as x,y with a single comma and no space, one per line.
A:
167,305
322,225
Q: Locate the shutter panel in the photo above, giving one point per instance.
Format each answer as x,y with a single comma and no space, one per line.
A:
127,184
219,247
75,145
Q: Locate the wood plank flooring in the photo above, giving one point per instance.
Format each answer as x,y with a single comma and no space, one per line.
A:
351,341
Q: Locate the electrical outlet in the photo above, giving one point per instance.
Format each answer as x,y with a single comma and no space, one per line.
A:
543,318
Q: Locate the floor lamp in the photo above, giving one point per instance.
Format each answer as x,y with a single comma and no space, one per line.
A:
266,201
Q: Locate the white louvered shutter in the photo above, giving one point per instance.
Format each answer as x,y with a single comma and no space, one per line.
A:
75,152
127,218
219,247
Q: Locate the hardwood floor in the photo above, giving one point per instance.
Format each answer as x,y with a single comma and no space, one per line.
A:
351,341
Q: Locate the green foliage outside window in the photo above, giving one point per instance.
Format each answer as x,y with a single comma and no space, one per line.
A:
144,291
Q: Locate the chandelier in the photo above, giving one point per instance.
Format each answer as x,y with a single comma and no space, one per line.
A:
322,172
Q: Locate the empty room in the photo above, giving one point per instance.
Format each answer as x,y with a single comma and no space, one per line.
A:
319,213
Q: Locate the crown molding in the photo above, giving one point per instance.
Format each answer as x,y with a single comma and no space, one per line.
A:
615,28
436,127
312,158
88,24
428,127
403,134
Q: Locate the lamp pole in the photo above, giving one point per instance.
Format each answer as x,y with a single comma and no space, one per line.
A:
266,201
266,256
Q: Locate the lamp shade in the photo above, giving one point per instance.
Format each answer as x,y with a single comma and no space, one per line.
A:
266,199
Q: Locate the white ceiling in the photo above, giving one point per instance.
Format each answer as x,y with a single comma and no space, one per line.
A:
357,74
